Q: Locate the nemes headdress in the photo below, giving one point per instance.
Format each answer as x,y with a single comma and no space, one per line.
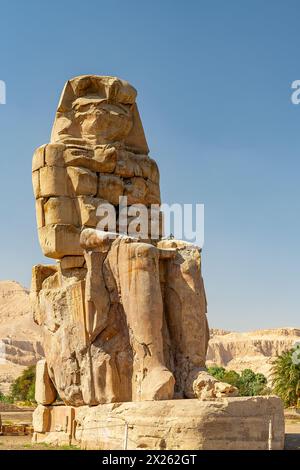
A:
89,89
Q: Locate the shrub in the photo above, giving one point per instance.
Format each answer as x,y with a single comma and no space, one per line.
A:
217,372
23,388
231,377
286,378
248,383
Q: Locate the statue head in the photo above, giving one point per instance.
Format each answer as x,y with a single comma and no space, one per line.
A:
96,110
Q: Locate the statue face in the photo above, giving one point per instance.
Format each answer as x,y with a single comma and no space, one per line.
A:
103,122
99,110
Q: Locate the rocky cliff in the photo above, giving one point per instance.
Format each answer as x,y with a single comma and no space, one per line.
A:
255,350
20,344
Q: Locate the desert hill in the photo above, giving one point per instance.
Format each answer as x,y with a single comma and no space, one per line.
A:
255,350
20,344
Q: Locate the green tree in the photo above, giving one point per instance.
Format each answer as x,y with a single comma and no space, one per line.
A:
286,378
260,385
248,383
251,384
23,387
217,372
232,377
5,398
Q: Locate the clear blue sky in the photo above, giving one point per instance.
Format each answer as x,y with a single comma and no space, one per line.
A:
214,83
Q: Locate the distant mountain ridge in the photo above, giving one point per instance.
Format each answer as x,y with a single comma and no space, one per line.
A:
20,340
254,350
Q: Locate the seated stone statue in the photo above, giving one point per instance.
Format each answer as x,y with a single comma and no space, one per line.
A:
123,318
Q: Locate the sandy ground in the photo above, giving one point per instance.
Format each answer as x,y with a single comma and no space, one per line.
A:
20,442
16,417
292,429
292,435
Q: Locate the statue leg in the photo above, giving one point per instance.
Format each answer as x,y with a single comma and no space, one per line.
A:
97,302
138,266
185,311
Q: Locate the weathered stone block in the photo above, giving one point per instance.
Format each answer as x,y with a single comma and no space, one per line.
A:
206,387
105,159
60,428
39,211
45,392
136,190
38,160
128,165
68,262
39,273
53,181
87,209
76,306
82,181
60,210
110,188
58,241
36,183
150,170
54,155
41,419
75,156
153,193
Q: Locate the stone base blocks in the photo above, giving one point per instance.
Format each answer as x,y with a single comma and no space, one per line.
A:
238,423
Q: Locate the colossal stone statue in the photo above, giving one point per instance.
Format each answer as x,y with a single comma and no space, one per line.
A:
123,315
124,318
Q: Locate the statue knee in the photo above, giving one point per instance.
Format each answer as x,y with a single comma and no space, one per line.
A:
144,255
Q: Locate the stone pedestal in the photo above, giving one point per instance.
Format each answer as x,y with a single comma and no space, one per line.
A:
239,423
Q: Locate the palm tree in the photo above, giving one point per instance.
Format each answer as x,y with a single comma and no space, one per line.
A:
286,378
